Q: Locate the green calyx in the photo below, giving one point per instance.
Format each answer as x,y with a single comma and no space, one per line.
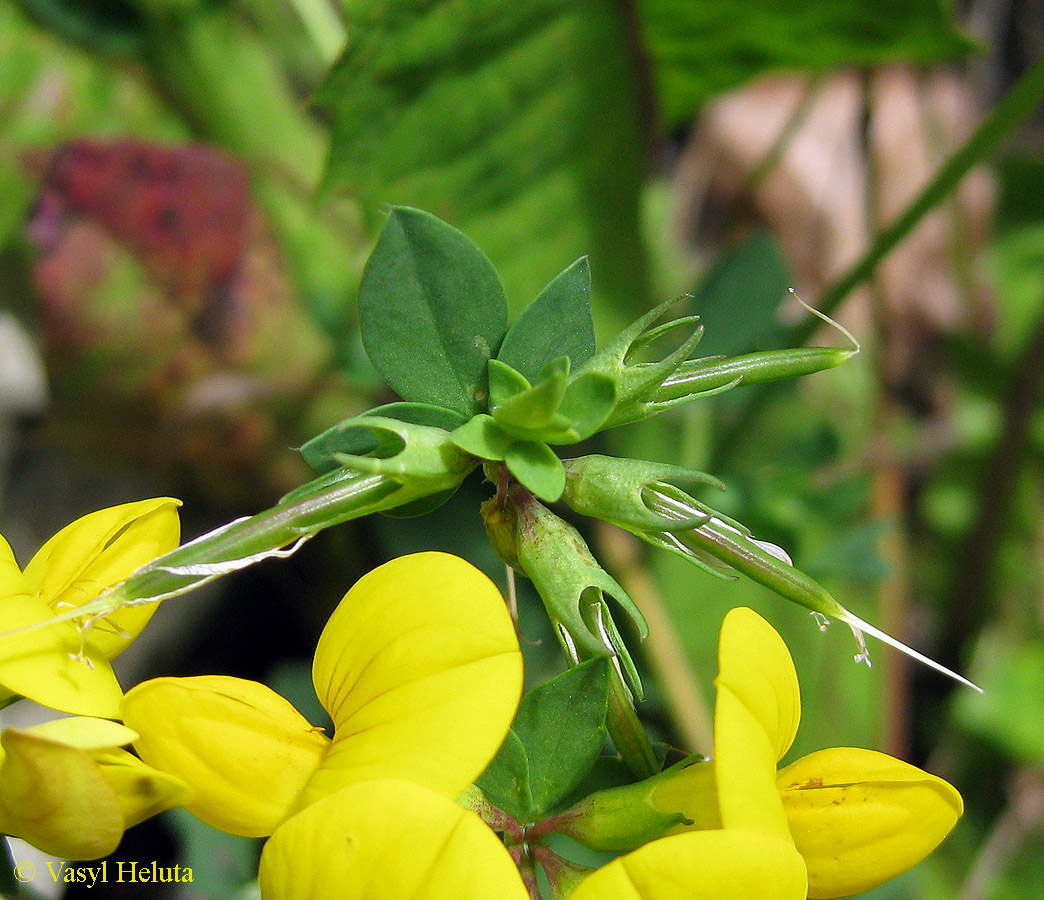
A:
573,587
421,459
621,819
712,375
613,489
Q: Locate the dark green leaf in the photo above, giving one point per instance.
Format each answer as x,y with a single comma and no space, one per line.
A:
556,323
432,312
518,122
562,725
702,49
345,437
7,881
556,738
111,26
506,782
421,506
535,465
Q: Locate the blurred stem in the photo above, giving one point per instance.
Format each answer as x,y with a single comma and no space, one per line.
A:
1022,814
889,473
969,599
1014,108
689,710
786,134
893,592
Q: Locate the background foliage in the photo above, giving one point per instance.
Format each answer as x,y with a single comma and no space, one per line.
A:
728,149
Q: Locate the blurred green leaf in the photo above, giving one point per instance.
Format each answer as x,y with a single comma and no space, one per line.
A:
556,323
432,312
739,297
556,738
703,49
1010,711
518,122
221,863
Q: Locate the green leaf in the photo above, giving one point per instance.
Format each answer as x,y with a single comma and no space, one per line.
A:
420,507
588,401
535,465
518,122
504,382
482,436
432,312
556,323
701,49
347,437
557,736
506,782
527,413
221,863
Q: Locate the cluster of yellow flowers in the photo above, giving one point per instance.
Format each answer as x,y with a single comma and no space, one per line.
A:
420,671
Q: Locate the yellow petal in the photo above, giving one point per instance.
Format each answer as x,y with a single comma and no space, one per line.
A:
702,865
41,663
55,797
860,817
12,581
388,839
755,665
692,792
420,670
85,733
141,790
98,551
755,719
244,751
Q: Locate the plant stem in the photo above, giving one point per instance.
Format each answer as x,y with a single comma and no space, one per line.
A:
626,730
1019,103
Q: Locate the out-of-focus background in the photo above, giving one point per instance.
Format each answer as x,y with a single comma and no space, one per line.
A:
188,191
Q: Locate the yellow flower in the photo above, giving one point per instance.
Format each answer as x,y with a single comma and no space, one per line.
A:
388,839
61,665
844,819
67,788
419,668
744,850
